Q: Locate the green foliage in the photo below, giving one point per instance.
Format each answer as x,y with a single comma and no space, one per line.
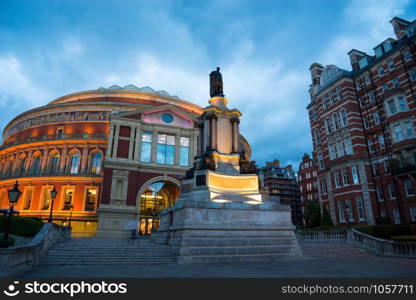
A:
312,214
326,218
385,231
404,238
22,226
11,240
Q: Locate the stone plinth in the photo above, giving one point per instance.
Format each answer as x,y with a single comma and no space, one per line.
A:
205,231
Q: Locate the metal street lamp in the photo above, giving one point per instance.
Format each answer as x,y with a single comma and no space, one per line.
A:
70,215
53,195
14,195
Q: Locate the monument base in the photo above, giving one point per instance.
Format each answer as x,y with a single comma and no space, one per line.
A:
212,232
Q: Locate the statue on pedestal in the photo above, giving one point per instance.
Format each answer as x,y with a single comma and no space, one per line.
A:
216,85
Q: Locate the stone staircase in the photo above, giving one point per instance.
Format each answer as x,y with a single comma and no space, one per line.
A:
96,251
331,250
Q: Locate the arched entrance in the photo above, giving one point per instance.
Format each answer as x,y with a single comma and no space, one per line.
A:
157,194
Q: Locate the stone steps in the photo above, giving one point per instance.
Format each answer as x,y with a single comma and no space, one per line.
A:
322,249
81,251
234,250
236,258
231,241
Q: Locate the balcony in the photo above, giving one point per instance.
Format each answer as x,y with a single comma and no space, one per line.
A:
55,137
401,167
44,174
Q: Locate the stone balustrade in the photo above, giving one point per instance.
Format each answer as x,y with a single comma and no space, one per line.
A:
361,240
14,261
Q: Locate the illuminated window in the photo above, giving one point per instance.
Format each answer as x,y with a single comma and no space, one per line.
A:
165,149
46,198
68,197
74,169
184,152
28,198
90,199
146,147
96,163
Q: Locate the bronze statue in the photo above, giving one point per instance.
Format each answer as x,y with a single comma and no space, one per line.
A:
216,86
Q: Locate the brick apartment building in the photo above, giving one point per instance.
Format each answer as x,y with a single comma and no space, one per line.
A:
280,182
363,131
307,179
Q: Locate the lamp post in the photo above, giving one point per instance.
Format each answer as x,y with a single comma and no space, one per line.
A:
14,195
53,195
70,215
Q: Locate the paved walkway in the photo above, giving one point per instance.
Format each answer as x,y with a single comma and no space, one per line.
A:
320,260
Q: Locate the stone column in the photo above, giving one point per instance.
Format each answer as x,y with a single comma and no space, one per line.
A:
138,148
44,161
153,156
63,160
199,148
206,135
213,132
116,135
84,160
193,146
177,149
110,141
131,143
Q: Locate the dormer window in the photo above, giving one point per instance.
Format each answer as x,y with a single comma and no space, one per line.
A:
378,51
387,46
363,62
411,29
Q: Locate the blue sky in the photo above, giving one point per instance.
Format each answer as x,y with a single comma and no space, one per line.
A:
264,48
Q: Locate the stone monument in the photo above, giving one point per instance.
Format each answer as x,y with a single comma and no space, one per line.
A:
221,215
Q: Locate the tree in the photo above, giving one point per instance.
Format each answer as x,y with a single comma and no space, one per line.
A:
312,214
326,218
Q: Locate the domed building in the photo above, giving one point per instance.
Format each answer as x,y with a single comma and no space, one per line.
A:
111,152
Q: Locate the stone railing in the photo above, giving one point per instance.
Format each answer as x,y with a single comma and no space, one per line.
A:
361,240
370,243
323,235
14,261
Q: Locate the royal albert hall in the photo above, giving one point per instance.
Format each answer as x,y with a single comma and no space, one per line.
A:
115,156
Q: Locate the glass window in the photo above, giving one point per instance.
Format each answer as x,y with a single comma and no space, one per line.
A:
392,106
392,191
387,46
362,62
323,187
22,166
344,119
341,210
165,149
396,83
146,147
348,145
46,198
413,213
337,179
367,78
340,149
371,96
90,199
28,198
402,104
385,87
332,152
54,165
68,196
409,129
406,54
380,70
380,193
74,164
96,163
390,64
376,118
345,176
398,133
336,121
396,215
350,210
360,207
381,141
379,51
36,165
184,152
354,173
408,185
339,93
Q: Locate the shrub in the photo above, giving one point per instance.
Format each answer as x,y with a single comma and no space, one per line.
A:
312,214
385,231
404,238
11,239
27,227
326,218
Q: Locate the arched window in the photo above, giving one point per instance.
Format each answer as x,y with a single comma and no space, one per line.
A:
22,166
54,164
36,165
96,163
74,169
